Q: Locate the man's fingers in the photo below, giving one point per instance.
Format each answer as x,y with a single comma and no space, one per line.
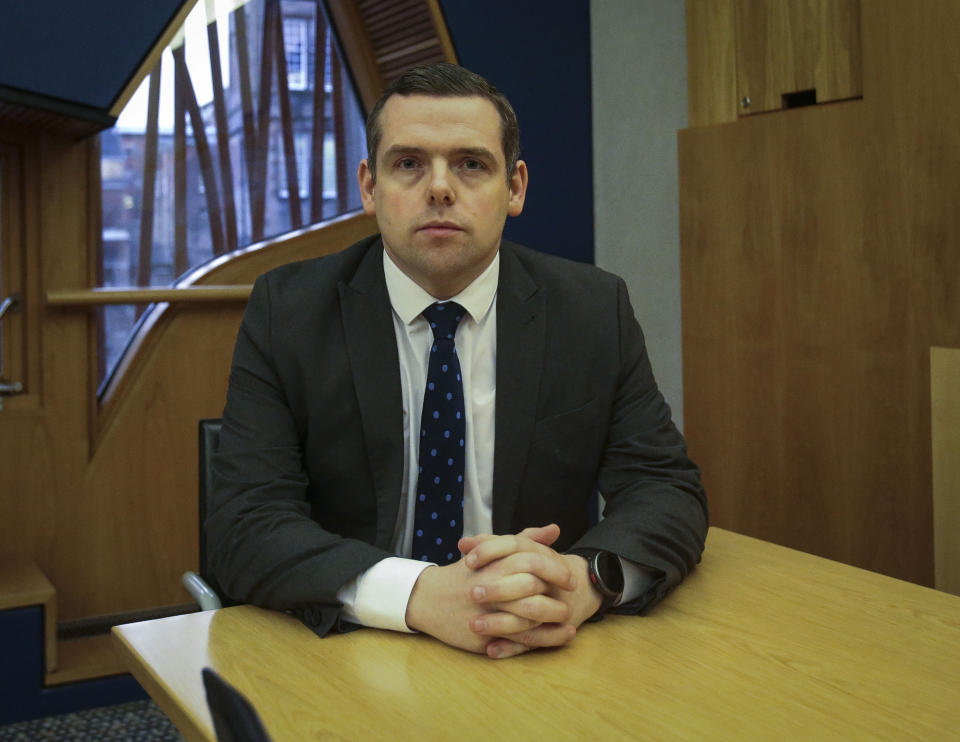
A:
538,609
545,535
545,635
508,588
544,563
520,615
468,543
500,624
501,649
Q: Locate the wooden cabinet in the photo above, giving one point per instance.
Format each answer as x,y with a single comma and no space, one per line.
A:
820,262
755,56
796,53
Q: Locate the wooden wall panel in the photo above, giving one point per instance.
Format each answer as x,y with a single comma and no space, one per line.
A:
711,62
142,478
105,500
744,55
141,482
788,46
43,432
820,263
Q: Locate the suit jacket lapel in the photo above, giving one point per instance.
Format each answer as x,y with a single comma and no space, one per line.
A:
521,339
375,362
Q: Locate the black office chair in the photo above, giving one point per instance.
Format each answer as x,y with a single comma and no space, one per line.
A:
234,717
203,587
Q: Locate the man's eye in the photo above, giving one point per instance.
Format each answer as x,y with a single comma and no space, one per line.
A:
407,163
472,165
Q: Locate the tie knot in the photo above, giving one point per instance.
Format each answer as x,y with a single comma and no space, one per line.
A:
444,318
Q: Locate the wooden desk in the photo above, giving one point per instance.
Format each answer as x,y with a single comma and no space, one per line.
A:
761,642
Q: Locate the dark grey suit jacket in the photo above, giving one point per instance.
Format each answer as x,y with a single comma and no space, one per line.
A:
308,474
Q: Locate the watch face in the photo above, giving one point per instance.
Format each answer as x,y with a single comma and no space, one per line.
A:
610,571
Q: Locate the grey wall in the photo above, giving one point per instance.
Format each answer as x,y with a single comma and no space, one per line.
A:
639,73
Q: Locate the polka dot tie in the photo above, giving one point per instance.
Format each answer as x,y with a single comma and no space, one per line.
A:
438,514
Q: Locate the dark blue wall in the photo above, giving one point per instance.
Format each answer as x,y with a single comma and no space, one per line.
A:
538,53
81,52
22,693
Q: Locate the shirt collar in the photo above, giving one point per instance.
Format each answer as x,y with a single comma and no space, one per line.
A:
409,299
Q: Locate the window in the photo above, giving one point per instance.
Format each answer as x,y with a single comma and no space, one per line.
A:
295,46
196,166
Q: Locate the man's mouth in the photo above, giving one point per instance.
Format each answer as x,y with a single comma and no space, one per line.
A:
440,228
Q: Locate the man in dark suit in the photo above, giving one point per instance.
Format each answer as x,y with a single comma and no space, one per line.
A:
328,481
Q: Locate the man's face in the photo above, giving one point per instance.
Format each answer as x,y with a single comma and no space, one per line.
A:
442,194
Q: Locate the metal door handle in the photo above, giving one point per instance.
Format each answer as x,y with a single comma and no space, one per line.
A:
12,387
11,302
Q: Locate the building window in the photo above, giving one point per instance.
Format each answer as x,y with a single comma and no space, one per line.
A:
295,46
173,197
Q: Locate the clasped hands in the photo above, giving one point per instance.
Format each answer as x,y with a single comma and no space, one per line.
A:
506,595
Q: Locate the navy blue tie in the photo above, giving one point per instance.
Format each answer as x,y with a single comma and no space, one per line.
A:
438,514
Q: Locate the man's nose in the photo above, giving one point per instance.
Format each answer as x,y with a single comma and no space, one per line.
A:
440,189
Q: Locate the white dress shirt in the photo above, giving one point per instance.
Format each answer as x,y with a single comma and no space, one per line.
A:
378,597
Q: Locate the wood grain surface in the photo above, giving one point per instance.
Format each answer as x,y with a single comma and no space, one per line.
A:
819,265
103,496
761,642
945,432
792,46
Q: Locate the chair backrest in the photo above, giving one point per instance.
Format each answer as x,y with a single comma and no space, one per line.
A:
209,439
234,717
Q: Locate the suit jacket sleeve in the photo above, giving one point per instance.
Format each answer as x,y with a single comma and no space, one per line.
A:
656,509
265,546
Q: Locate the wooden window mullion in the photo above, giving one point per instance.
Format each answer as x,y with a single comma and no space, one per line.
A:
286,122
205,159
223,137
246,103
150,146
319,115
258,179
339,130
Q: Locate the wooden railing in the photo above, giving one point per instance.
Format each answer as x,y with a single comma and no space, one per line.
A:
134,295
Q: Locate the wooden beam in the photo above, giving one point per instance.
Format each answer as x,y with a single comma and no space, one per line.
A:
134,295
286,120
153,57
354,43
223,135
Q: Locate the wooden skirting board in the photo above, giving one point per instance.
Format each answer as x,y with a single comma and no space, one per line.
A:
85,659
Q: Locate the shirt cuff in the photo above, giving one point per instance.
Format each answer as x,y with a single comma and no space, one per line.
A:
378,597
636,580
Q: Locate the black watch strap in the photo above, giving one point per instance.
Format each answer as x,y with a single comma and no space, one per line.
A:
606,575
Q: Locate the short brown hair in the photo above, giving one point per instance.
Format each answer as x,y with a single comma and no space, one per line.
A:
445,80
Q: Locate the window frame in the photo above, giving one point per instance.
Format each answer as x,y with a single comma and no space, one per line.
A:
298,80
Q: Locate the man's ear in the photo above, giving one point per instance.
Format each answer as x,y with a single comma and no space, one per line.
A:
365,180
518,189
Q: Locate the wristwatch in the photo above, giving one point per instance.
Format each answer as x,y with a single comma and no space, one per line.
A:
606,575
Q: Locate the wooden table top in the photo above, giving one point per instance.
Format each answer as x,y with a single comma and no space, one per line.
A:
761,642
